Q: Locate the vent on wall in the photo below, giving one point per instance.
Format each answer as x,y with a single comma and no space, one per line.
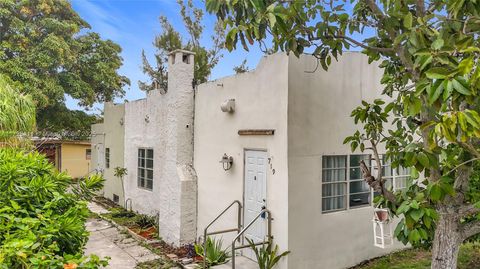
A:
116,199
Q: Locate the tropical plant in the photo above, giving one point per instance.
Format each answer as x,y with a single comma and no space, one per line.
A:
17,116
48,51
267,257
120,172
145,221
215,253
42,224
170,40
429,119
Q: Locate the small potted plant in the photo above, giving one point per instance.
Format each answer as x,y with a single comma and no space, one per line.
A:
381,214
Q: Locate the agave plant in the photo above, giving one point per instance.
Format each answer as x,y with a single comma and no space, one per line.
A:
215,253
267,257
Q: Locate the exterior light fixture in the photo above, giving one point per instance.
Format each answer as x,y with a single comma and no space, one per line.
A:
227,162
228,106
121,121
147,119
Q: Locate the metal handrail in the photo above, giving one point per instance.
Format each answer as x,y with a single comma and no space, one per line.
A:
269,233
205,231
126,204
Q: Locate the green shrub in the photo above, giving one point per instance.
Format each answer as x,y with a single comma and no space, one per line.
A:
267,257
42,215
215,253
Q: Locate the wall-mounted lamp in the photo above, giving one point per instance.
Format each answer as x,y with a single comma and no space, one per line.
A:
226,161
121,121
147,119
228,106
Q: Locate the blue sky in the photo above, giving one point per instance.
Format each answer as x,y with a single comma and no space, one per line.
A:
133,25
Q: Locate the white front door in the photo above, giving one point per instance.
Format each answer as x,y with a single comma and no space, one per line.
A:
100,158
255,195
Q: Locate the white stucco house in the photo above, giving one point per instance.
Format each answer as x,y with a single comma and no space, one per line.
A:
270,139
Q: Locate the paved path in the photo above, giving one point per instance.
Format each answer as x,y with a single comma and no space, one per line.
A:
106,240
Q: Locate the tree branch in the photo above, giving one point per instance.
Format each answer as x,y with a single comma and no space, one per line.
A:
374,8
420,8
375,184
360,44
468,210
470,229
470,148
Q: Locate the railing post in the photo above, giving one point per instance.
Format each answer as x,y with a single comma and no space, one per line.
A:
269,227
239,219
205,231
205,248
233,254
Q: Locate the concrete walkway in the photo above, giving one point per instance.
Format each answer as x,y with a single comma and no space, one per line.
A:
106,240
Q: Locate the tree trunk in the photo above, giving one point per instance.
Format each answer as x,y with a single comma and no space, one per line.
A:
446,242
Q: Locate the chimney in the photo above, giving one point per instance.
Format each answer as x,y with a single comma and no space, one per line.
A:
178,221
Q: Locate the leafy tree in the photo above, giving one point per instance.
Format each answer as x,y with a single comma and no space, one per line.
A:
17,115
47,51
58,120
430,123
170,39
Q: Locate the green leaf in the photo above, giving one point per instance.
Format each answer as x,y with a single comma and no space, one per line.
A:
435,91
404,207
460,87
416,214
465,66
437,44
435,192
423,159
414,236
437,73
407,20
399,228
427,221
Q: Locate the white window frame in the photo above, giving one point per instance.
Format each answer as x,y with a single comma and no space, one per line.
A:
346,182
145,168
107,157
395,174
395,179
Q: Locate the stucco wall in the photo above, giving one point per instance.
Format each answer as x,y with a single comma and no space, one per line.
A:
164,123
74,161
260,103
319,119
114,129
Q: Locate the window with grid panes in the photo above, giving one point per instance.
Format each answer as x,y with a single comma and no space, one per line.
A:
342,182
395,178
359,191
145,168
334,183
107,158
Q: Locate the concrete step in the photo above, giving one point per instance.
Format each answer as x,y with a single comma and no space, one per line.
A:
240,263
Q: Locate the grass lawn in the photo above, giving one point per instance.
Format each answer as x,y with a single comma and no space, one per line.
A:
469,258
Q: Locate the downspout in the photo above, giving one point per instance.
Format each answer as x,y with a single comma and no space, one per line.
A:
195,88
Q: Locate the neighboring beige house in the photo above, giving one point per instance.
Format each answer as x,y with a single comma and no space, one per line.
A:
272,139
72,157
